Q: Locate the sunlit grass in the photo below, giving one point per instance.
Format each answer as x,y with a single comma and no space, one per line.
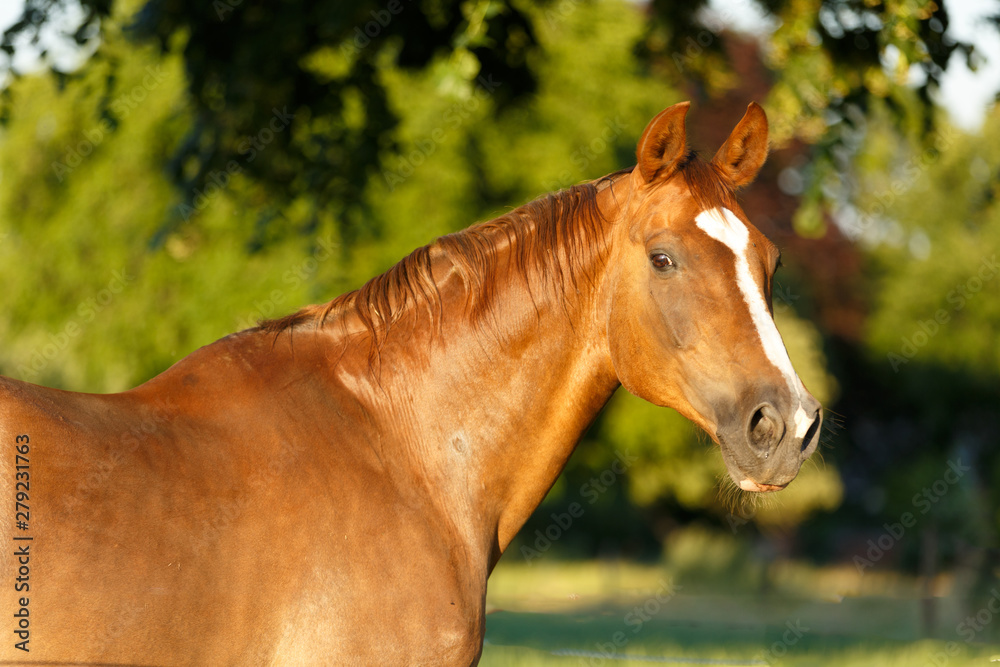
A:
610,613
922,654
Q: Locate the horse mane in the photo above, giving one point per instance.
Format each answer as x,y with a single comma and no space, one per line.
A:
555,238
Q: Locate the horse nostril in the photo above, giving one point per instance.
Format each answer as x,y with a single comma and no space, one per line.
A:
765,428
810,439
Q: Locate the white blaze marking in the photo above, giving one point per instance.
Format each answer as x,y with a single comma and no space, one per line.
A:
722,225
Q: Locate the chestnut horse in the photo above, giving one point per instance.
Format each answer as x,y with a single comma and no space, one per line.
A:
335,487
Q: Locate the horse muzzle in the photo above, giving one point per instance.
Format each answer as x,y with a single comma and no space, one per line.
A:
764,450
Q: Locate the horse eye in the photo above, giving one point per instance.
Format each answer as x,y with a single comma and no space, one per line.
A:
661,261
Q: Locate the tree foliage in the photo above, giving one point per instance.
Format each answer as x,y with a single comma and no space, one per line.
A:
246,61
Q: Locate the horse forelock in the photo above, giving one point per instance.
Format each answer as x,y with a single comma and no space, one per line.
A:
709,187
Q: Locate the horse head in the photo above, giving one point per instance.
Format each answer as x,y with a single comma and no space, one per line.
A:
688,301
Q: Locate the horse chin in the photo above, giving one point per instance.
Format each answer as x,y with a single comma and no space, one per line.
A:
745,481
748,484
745,474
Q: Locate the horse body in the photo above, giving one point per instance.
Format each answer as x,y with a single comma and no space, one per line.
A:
180,523
275,501
335,487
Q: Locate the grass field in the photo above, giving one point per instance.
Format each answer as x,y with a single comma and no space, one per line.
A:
611,613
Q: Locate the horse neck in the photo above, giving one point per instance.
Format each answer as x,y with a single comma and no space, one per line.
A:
490,407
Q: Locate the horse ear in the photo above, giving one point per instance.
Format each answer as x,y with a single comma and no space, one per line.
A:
663,142
744,152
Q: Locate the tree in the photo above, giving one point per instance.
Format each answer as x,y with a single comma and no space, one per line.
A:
248,65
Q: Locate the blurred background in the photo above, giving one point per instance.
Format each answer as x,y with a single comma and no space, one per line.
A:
174,170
